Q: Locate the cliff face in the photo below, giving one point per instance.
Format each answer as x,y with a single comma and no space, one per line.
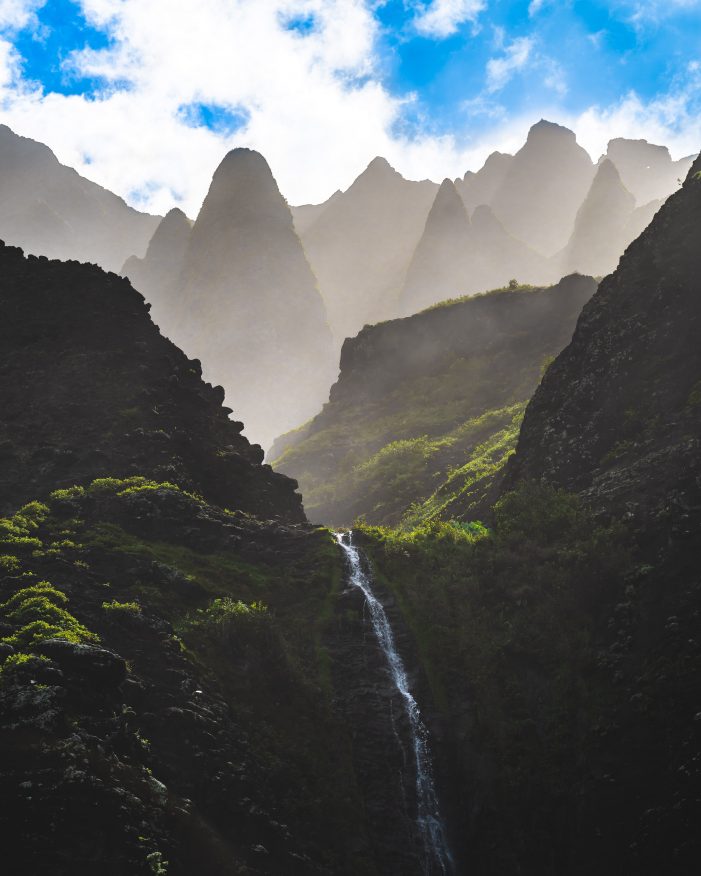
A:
90,387
617,416
427,408
166,699
48,209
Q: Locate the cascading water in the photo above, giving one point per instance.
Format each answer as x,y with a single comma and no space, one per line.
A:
436,855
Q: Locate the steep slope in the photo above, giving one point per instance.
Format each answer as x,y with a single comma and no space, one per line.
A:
157,274
305,215
480,187
647,170
564,642
362,244
602,224
458,256
90,387
48,209
617,416
247,303
427,408
442,265
544,186
168,667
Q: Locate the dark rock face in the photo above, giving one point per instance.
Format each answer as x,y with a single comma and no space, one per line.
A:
89,388
183,737
367,701
548,179
618,415
48,209
382,356
243,298
92,664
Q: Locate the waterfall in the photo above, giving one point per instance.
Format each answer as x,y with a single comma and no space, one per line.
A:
431,830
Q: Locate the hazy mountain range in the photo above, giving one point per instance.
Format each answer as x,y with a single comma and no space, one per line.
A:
265,294
190,681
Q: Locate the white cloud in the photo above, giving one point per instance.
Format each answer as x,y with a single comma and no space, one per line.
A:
669,121
515,57
315,105
442,18
15,14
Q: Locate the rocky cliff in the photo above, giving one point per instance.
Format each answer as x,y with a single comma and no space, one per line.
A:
427,408
617,416
563,643
90,387
169,624
48,209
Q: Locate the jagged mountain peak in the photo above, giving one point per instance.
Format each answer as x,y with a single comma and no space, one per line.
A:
380,165
377,174
545,130
242,181
607,170
639,147
447,204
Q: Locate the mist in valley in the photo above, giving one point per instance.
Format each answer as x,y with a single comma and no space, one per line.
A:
350,449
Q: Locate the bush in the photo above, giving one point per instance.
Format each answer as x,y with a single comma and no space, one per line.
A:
115,607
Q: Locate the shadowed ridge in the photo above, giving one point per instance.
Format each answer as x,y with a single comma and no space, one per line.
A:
617,414
92,389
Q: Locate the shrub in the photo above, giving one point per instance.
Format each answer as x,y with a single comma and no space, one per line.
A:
115,607
69,493
9,564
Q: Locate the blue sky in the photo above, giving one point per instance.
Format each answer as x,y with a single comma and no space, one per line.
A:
320,86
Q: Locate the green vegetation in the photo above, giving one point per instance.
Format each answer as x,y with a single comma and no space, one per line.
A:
511,286
124,608
430,442
505,621
37,612
427,410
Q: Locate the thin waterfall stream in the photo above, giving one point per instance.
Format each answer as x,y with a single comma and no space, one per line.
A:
431,829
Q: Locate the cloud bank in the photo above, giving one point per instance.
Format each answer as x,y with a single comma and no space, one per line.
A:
178,84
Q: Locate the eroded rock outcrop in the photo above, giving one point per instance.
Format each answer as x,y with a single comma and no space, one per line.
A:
618,415
91,388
